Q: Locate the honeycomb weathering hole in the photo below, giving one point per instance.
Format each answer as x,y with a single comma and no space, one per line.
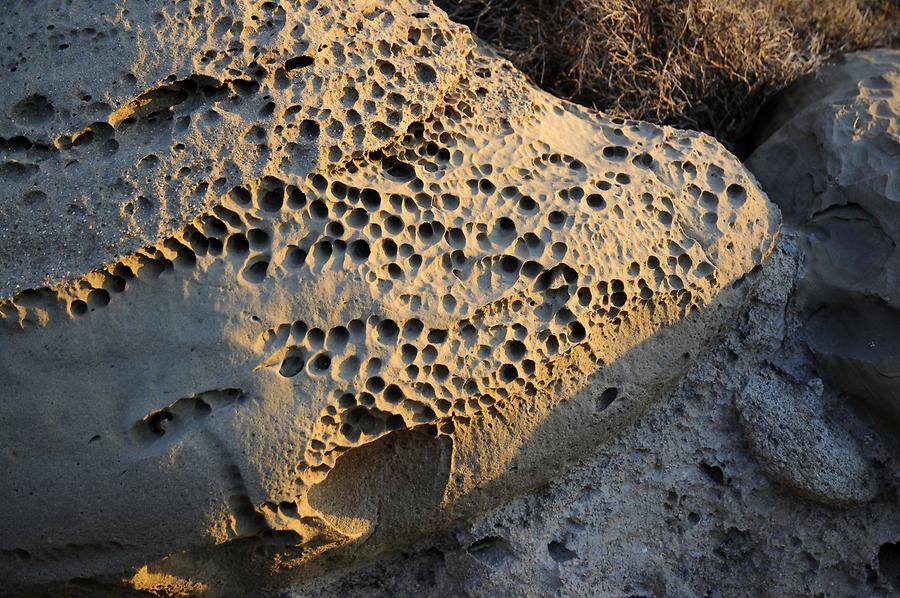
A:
606,398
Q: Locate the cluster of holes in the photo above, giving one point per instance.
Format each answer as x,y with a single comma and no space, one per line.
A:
386,374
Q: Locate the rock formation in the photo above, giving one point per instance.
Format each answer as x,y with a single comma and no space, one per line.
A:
298,281
694,499
754,475
830,157
795,444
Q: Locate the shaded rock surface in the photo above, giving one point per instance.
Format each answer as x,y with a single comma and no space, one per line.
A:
381,284
829,155
795,444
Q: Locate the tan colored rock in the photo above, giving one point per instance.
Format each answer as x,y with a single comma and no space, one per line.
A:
327,359
119,128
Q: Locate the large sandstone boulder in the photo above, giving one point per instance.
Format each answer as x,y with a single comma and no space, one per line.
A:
291,283
829,155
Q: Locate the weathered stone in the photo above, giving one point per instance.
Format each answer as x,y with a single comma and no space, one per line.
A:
424,288
830,158
795,444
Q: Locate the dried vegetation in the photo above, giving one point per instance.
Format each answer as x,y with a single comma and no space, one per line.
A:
701,64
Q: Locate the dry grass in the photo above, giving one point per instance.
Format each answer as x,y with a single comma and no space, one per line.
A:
702,64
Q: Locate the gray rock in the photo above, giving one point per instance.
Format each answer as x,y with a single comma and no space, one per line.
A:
795,444
829,156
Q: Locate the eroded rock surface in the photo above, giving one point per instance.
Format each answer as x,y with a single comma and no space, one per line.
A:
120,127
388,286
830,157
678,505
795,444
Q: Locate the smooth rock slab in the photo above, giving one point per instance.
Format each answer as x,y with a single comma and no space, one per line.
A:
324,364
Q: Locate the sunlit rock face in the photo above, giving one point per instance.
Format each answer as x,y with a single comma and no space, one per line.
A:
301,281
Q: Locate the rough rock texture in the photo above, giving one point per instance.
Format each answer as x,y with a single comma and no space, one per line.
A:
830,157
121,125
793,442
679,504
377,284
754,477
